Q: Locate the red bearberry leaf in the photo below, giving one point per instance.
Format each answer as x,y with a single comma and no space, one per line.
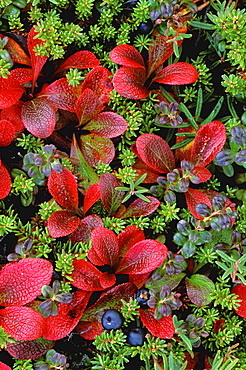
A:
185,151
10,91
240,291
155,152
141,168
5,181
111,198
4,366
207,362
162,328
13,114
98,80
127,55
107,125
130,236
16,53
89,329
62,95
83,231
209,141
22,75
142,257
202,173
96,148
86,106
105,247
36,60
219,325
86,276
22,281
81,60
69,314
193,198
107,280
177,74
7,133
62,223
39,117
92,195
30,349
198,289
22,323
141,208
191,361
129,82
63,188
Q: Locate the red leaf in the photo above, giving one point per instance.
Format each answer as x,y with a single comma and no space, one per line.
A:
39,117
105,248
86,276
30,349
202,173
36,60
185,151
5,181
63,188
4,366
81,60
240,291
127,55
141,208
141,168
92,195
209,141
83,231
13,114
130,236
193,198
177,74
68,316
162,328
7,133
89,329
155,152
129,82
107,280
22,75
62,95
62,223
98,80
22,323
111,198
96,148
86,106
16,53
142,257
107,125
10,91
22,281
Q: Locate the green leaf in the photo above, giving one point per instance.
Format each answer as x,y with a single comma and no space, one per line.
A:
189,116
202,25
199,288
199,104
214,112
182,143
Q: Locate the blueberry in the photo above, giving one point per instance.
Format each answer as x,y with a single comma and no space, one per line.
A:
135,337
142,297
145,27
112,319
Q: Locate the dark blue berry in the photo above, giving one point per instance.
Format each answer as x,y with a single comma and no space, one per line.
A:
112,319
145,27
142,297
135,337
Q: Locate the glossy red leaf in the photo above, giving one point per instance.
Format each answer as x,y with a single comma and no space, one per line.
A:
86,106
5,181
62,95
81,60
99,81
111,198
107,280
10,91
139,280
141,168
209,141
83,231
162,328
92,195
7,133
22,323
86,276
107,125
22,75
240,291
129,82
141,208
13,114
127,55
62,223
177,74
22,281
64,189
193,198
36,60
185,151
30,349
96,148
89,329
39,117
202,173
16,53
105,247
69,314
127,238
155,152
143,257
4,366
